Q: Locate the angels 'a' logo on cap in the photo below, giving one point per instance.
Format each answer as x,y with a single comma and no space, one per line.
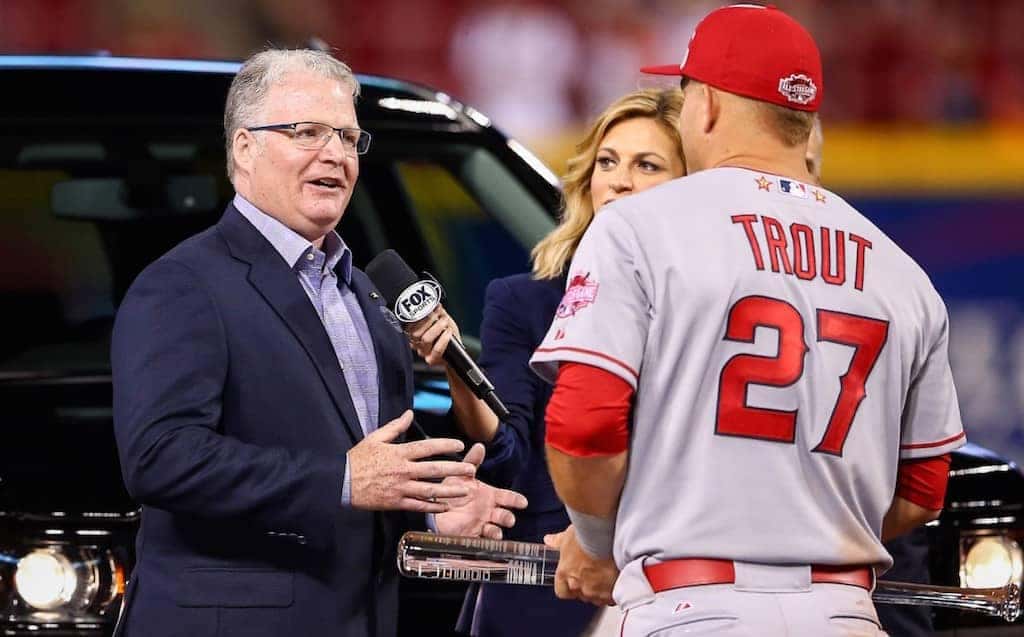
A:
798,88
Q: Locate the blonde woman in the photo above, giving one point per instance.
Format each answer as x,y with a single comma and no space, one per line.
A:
633,145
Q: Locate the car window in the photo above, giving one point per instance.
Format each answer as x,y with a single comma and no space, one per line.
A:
467,246
55,275
82,215
64,267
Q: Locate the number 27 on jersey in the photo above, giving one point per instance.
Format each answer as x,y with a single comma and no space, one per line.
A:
736,418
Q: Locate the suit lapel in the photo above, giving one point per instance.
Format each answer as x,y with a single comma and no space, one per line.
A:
280,287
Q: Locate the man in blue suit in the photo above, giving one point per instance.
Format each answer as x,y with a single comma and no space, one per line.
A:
261,394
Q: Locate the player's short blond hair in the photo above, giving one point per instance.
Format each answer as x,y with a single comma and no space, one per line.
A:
552,254
790,126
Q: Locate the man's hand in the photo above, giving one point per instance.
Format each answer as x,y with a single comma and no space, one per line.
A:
386,476
579,575
484,510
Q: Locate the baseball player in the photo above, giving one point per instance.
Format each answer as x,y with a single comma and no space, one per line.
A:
909,551
753,387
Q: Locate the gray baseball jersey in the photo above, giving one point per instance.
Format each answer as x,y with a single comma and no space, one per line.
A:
785,353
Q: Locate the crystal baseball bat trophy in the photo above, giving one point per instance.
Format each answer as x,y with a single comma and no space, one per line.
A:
475,559
471,559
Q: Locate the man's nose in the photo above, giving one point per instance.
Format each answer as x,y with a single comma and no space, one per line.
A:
334,150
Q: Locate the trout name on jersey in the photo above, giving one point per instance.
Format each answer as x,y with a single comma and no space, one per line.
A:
800,252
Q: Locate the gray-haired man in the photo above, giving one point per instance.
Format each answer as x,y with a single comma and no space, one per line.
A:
260,396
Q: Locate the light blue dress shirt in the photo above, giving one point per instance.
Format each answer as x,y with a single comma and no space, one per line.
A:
318,272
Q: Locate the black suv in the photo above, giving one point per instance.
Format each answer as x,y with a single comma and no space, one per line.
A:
106,163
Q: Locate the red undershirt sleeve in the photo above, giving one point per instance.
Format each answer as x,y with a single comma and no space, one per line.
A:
588,414
923,481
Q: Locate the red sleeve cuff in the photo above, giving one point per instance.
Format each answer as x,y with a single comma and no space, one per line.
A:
588,414
923,481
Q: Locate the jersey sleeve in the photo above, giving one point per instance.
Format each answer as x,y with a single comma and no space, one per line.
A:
604,315
931,417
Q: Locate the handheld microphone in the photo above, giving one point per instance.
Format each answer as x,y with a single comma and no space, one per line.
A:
412,298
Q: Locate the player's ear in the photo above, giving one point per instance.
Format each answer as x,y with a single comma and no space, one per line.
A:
710,107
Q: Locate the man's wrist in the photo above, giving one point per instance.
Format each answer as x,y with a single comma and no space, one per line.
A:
595,535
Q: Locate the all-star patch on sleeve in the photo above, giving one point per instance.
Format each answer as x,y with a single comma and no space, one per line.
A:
605,314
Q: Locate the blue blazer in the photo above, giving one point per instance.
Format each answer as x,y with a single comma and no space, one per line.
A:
517,313
232,421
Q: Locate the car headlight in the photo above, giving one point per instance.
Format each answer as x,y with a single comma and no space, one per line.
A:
990,561
59,585
45,579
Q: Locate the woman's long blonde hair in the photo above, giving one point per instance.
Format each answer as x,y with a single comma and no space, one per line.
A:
553,253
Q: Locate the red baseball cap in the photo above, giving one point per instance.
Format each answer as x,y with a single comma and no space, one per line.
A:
755,51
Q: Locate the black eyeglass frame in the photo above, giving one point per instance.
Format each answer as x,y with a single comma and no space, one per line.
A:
293,126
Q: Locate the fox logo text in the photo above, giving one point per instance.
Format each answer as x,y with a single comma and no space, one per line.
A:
417,301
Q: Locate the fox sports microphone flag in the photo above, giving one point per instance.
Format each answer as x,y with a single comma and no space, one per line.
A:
412,298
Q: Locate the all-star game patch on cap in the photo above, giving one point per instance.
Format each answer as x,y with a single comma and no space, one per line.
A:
755,51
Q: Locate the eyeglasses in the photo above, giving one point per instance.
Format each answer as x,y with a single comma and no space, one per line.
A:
314,135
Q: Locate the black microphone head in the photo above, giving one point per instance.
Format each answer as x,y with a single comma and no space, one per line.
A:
391,274
410,297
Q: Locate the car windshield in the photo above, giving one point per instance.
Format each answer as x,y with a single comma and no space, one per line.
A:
86,207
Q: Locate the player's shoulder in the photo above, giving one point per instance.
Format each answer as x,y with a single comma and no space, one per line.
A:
911,272
908,282
695,193
669,191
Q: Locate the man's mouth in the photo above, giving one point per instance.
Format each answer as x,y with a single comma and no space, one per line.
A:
329,183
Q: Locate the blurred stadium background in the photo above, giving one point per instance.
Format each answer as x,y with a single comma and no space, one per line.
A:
923,115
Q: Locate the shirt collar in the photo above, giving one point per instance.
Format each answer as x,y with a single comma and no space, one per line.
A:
291,245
